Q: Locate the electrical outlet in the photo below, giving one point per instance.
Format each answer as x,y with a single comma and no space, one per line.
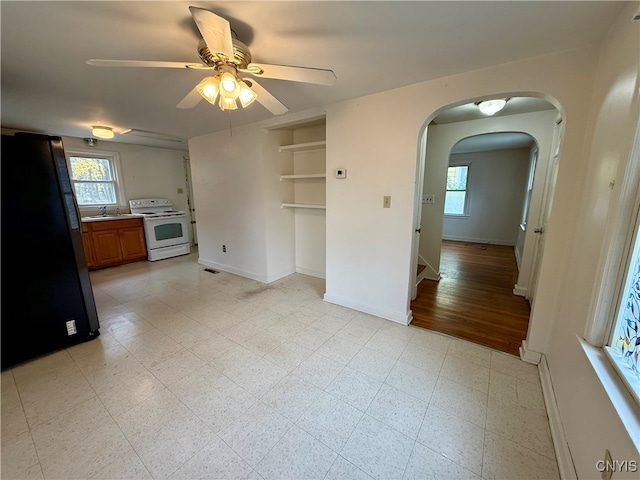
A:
224,249
428,198
386,201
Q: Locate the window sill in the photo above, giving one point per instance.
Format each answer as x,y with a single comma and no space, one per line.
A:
92,208
617,391
453,215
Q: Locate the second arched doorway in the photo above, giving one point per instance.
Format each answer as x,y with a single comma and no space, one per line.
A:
486,187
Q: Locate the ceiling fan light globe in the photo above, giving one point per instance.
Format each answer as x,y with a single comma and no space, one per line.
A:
227,103
491,107
247,96
229,85
208,88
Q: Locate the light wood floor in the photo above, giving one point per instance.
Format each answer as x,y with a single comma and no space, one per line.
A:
474,299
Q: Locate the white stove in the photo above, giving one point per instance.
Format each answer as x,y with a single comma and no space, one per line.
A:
153,207
166,230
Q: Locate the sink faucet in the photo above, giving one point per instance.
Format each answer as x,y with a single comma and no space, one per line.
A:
103,210
118,211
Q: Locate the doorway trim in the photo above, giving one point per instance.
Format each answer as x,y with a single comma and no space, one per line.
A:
187,172
543,138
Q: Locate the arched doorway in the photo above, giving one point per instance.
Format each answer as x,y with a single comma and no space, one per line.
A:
535,120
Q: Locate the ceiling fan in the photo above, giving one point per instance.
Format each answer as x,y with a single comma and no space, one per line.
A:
228,58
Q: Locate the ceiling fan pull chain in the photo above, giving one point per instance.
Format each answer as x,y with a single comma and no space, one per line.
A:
230,129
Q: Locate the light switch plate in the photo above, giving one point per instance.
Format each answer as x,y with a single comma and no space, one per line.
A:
428,198
341,173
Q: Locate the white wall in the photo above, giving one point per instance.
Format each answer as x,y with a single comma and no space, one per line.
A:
280,222
587,415
310,240
442,138
238,194
310,230
228,184
147,172
496,187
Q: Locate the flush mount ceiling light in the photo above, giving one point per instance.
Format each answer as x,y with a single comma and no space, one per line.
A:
101,131
491,107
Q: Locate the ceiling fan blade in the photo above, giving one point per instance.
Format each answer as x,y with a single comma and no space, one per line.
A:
215,30
318,76
144,63
267,100
190,100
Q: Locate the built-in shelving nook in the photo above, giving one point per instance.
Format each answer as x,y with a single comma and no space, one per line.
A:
305,170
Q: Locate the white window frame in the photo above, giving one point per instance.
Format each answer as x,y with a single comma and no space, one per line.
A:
466,190
608,290
632,243
114,161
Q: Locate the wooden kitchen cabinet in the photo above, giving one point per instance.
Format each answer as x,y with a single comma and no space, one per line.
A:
114,242
132,243
106,245
87,243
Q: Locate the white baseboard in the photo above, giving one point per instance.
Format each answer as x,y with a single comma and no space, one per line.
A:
520,291
251,275
492,241
566,467
278,276
429,273
311,273
429,277
528,355
403,319
236,271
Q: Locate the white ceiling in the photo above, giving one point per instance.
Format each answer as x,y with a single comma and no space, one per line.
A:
470,111
493,141
371,47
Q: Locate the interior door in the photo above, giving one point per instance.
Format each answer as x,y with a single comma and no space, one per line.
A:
417,218
192,208
541,226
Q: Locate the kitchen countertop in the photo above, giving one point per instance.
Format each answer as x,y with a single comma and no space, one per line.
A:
102,218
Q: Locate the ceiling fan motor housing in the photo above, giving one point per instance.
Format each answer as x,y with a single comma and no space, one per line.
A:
241,55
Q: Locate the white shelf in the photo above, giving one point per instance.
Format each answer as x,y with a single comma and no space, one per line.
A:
299,147
303,205
308,175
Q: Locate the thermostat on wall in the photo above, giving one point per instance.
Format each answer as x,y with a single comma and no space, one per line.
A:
341,173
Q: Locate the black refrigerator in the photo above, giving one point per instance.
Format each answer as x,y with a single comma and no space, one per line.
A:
47,299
